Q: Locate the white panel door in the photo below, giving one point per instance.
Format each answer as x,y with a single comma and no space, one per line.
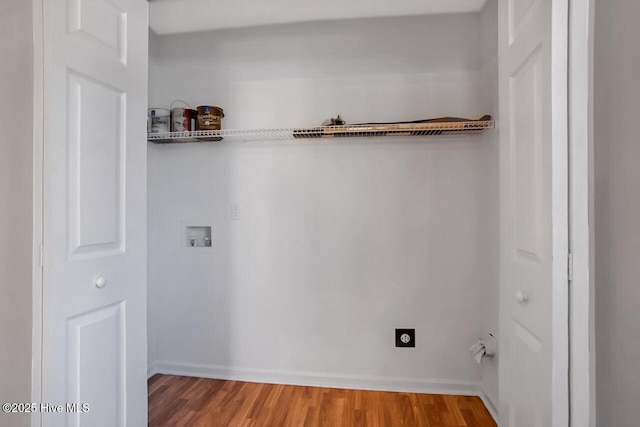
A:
534,211
94,258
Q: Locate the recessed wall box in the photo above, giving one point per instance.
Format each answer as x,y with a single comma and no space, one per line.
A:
195,237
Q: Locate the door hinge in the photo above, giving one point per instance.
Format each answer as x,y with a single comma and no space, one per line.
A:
570,267
41,256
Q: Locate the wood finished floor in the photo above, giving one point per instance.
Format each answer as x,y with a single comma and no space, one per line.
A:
188,401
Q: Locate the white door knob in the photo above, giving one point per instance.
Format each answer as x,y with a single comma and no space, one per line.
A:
101,282
522,297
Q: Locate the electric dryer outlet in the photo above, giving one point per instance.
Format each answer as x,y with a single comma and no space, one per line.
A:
405,337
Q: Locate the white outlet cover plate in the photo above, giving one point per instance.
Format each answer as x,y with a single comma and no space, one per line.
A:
236,211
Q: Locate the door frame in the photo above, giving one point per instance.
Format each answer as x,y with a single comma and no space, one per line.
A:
38,207
581,238
581,312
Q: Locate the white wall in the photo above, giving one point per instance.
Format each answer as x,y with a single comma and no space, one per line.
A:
339,242
490,308
16,81
617,209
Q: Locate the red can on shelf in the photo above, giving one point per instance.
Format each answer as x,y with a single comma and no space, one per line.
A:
183,119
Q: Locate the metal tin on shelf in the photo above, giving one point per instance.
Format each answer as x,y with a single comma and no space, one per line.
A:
158,120
209,117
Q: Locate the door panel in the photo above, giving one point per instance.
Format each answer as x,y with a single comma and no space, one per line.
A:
518,10
534,242
526,119
102,22
95,345
96,172
94,263
525,399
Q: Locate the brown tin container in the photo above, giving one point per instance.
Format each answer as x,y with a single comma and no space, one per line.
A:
209,117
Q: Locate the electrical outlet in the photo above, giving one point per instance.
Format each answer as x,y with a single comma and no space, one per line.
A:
235,211
405,337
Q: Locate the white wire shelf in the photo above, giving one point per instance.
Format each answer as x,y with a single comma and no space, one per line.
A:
322,132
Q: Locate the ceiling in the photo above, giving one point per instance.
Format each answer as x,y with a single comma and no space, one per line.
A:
181,16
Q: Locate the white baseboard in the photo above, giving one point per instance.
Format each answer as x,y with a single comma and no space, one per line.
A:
318,380
489,403
152,370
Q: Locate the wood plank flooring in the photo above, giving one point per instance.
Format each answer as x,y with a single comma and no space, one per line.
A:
187,401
